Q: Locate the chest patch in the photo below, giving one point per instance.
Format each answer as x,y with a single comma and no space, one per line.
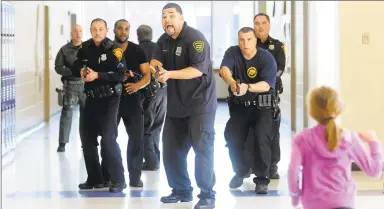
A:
252,72
178,51
271,47
103,57
118,52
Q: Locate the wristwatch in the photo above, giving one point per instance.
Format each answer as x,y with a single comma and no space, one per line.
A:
249,88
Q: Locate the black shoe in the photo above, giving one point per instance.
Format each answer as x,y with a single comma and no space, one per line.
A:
86,185
147,167
261,188
61,147
116,188
136,183
274,175
236,182
174,198
205,204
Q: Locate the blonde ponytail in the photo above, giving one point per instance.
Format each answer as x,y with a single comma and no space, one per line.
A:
332,134
324,106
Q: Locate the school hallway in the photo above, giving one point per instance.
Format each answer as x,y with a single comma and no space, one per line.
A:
39,177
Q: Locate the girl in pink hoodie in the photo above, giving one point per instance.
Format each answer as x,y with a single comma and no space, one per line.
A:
326,153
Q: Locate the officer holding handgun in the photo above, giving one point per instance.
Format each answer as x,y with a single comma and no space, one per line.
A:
131,111
183,58
250,105
277,49
73,87
155,104
101,65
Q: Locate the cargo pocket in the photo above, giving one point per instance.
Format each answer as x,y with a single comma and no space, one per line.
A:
70,100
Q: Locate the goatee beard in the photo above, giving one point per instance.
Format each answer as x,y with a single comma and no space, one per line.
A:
119,40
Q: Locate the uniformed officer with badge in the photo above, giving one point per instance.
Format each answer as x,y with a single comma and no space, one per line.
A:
183,58
277,49
101,66
131,111
251,76
73,87
155,106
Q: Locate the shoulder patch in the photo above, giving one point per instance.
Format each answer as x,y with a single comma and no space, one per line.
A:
199,46
118,52
284,50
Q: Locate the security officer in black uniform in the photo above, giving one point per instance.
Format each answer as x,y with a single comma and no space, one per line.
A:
251,76
101,65
183,58
277,49
155,106
73,87
131,111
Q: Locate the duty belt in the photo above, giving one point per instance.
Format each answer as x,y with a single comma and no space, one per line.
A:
103,91
68,82
265,101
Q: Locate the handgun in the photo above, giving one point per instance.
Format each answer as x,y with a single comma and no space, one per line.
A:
157,68
238,86
85,61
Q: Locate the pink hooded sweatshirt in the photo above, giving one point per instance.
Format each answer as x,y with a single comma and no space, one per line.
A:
327,178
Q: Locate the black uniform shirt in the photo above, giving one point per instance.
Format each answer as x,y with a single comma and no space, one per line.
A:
107,60
187,97
262,67
277,49
134,56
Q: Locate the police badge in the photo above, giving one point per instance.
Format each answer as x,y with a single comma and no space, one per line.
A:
103,57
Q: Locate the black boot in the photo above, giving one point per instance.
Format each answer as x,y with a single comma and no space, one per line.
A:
116,188
261,185
205,204
174,198
87,185
61,147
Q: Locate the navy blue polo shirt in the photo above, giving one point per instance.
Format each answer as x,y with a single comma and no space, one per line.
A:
261,67
187,97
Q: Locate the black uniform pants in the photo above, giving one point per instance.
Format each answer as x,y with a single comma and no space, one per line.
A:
132,114
179,135
153,122
100,118
236,131
275,147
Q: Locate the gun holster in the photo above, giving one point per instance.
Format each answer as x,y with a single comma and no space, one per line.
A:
279,85
151,89
60,97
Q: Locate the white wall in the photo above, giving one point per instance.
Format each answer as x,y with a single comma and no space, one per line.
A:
29,60
324,45
110,11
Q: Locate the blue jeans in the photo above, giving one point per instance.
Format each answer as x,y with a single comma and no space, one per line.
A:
179,135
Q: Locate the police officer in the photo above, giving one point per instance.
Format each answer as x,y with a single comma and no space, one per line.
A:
277,49
72,86
131,110
251,75
183,58
154,106
101,65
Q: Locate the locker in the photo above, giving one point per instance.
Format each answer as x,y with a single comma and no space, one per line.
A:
13,83
8,102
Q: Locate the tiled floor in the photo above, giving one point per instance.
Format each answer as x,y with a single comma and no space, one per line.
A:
42,178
